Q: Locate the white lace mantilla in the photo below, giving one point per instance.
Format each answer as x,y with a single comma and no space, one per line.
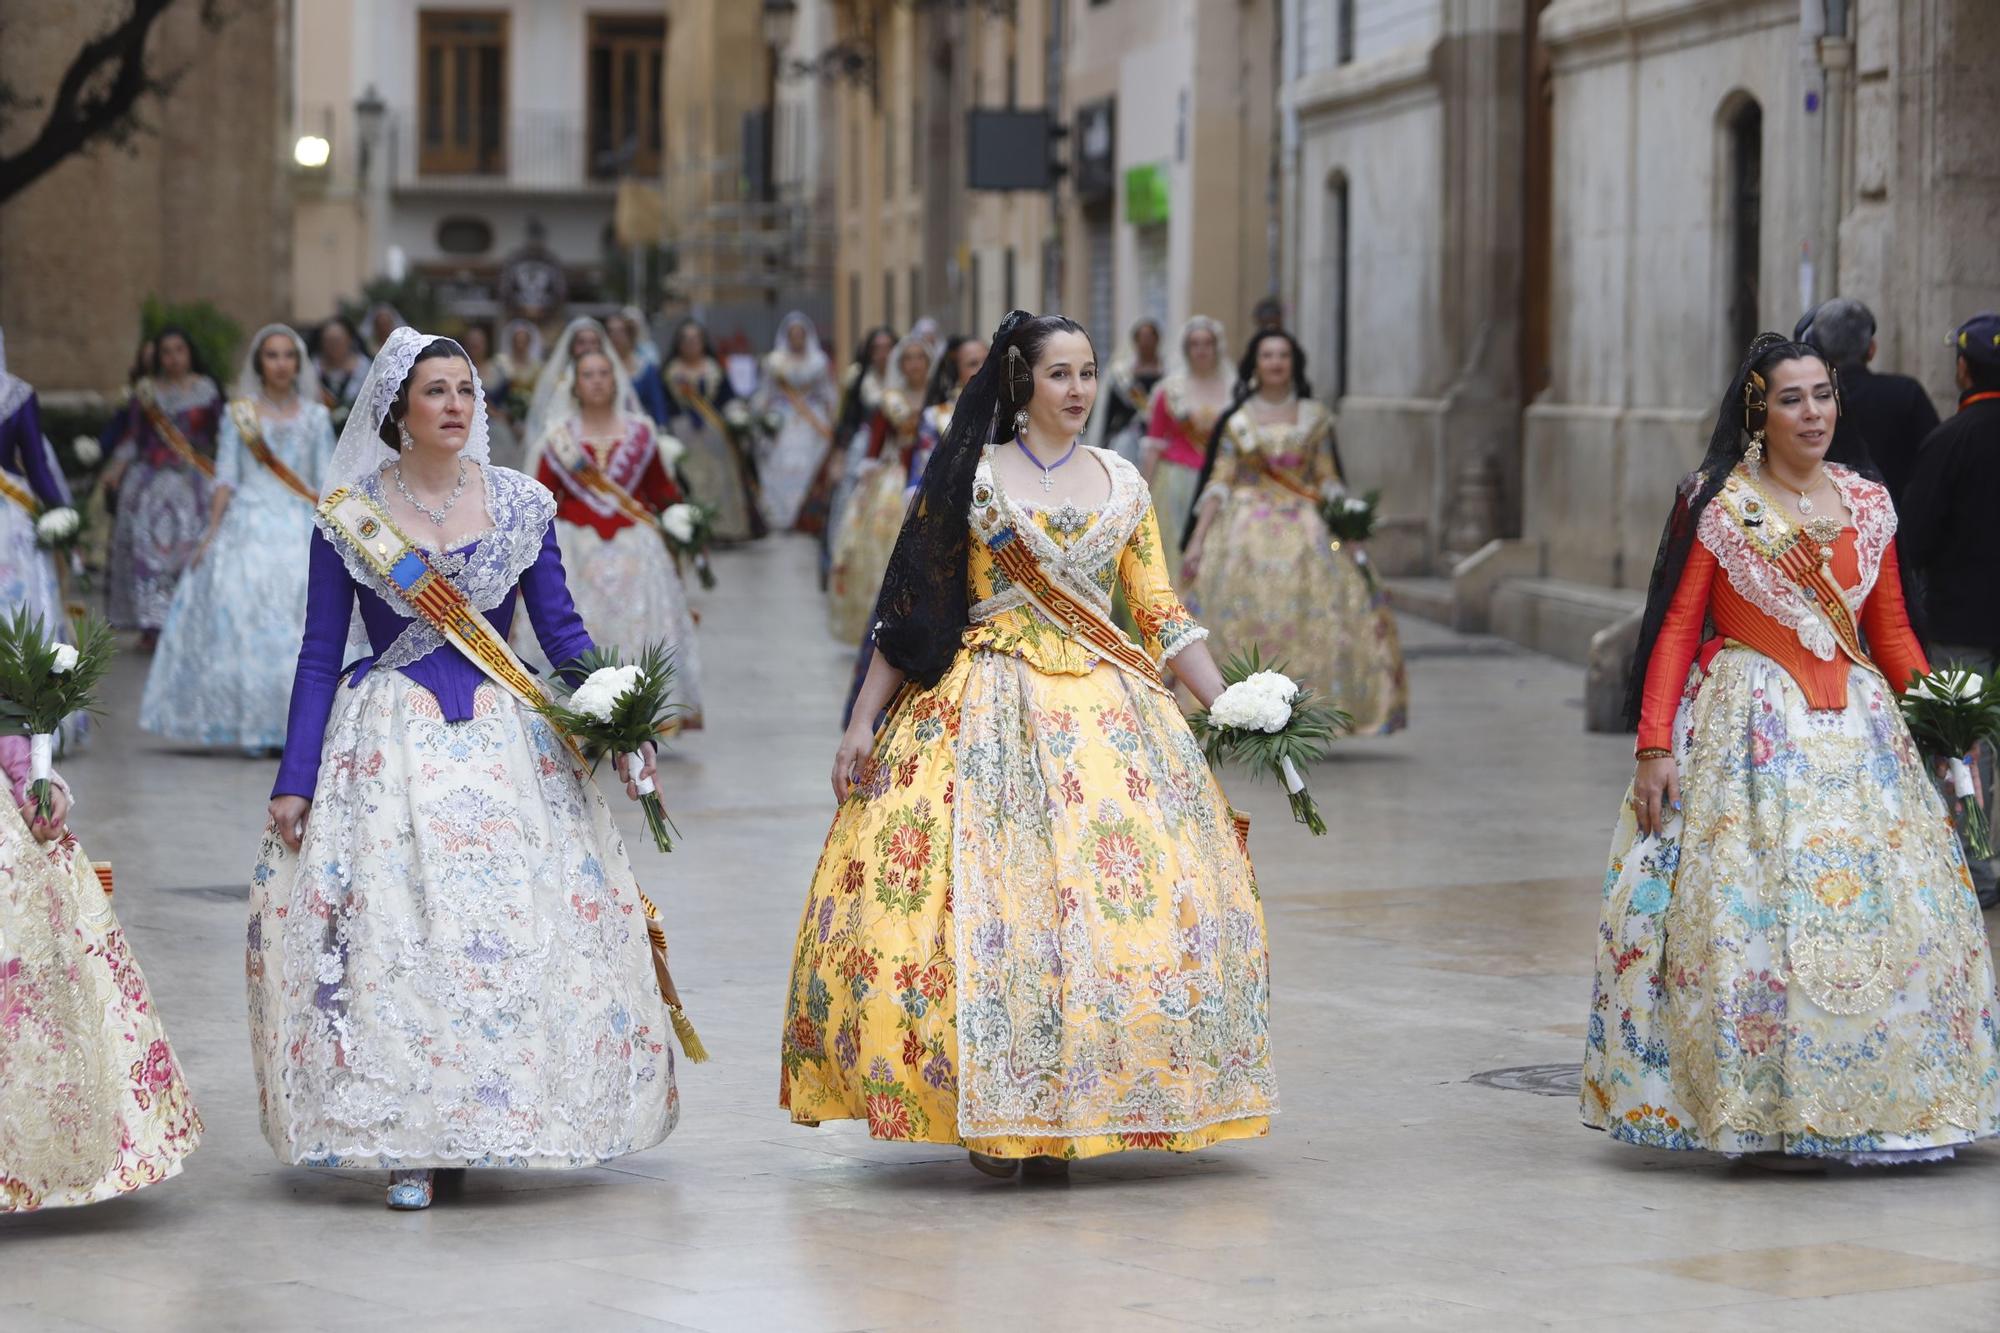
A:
1746,534
521,509
1075,566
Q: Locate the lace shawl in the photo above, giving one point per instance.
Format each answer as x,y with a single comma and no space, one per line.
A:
485,566
1746,533
1077,565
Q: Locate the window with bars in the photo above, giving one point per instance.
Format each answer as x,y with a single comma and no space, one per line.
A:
462,92
627,62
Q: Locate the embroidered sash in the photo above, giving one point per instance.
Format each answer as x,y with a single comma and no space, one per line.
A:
690,393
252,432
1808,562
1068,611
1258,460
577,463
368,530
805,409
20,494
164,427
1785,570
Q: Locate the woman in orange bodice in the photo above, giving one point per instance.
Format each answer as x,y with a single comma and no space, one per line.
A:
1790,961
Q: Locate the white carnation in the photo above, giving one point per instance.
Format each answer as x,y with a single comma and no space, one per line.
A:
602,689
57,525
65,660
671,450
736,414
1261,701
1354,506
87,450
679,522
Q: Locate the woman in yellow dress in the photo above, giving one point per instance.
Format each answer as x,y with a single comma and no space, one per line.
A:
875,515
1265,572
1034,930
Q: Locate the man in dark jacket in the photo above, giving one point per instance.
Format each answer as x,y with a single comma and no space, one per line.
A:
1883,417
1947,532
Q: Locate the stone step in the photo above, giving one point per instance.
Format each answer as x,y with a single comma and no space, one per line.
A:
1425,598
1558,617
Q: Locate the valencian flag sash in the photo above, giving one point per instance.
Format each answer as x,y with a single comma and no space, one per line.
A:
20,495
244,414
575,458
1068,611
366,528
164,427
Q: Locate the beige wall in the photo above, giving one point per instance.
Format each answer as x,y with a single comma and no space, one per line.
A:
199,208
718,70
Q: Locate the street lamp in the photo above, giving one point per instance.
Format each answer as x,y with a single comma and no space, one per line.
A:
369,113
781,20
311,152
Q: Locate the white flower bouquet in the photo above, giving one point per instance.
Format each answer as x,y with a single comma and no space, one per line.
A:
1267,721
59,529
1950,713
689,528
1351,518
43,681
87,451
617,709
737,414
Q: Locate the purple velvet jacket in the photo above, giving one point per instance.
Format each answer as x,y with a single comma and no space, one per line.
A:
447,673
22,453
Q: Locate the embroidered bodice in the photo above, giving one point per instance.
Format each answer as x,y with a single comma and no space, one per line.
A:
195,407
1181,422
516,555
1252,451
632,461
1741,536
1090,552
303,442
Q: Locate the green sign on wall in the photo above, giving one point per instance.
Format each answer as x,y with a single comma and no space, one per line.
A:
1146,194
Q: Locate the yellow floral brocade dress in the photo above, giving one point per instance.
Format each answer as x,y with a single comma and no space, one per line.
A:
1034,929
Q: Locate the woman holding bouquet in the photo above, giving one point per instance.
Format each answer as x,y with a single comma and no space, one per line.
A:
1791,963
1265,572
92,1104
1185,407
160,473
447,959
869,533
31,486
611,483
222,675
1034,929
704,412
796,392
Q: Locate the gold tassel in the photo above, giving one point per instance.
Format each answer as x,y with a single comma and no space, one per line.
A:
690,1039
656,938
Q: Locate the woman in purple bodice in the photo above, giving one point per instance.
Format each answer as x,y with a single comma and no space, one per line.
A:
447,957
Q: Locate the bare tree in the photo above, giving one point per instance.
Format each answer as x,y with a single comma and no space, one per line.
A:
98,97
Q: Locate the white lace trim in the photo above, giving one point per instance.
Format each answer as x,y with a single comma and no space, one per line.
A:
14,391
626,465
1075,564
1745,532
521,509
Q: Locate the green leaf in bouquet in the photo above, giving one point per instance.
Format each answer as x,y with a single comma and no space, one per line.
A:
34,696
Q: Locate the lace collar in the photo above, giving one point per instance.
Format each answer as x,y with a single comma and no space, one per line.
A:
1746,534
486,566
1074,565
705,379
1175,387
1280,438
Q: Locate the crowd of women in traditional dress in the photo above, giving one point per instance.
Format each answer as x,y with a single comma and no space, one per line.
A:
1034,931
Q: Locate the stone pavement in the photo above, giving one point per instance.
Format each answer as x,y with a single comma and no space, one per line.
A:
1440,933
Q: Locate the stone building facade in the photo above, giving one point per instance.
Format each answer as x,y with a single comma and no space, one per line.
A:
1539,233
196,206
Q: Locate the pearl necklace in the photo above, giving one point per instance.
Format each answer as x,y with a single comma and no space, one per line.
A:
436,516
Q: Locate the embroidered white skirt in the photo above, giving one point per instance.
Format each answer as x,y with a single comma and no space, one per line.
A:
454,971
629,595
1797,962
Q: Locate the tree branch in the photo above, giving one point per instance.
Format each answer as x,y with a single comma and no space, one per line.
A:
96,98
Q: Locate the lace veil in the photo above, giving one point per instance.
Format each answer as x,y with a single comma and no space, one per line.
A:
249,385
361,453
554,399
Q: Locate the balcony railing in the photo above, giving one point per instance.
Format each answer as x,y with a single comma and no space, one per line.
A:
547,151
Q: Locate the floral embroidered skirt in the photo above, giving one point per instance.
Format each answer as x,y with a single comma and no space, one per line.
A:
861,552
92,1103
1269,580
1796,963
716,475
162,512
223,672
454,970
1033,930
630,595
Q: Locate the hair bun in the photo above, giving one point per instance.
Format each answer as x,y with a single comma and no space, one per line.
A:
1765,341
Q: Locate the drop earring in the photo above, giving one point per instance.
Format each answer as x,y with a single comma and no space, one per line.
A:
1021,422
1753,457
403,430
